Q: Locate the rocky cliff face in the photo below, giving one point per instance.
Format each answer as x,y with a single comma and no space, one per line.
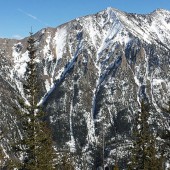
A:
93,71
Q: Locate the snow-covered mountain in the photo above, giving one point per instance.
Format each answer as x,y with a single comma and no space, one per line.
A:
93,71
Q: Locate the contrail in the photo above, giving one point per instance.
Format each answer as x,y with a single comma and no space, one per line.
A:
32,16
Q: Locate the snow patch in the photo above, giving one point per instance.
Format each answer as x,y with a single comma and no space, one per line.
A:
20,62
59,41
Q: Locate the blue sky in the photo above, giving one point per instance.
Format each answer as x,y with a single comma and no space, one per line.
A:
17,16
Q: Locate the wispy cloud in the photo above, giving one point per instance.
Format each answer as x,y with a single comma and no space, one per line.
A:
32,16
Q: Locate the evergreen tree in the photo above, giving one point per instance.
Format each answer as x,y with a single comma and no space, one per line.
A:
165,150
116,167
36,143
144,150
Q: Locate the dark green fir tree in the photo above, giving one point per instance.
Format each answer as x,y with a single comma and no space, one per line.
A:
165,135
35,146
144,152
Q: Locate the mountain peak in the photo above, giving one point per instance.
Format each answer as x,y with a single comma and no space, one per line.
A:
111,9
161,11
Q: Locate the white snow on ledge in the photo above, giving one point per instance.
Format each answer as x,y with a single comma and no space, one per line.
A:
20,61
157,81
